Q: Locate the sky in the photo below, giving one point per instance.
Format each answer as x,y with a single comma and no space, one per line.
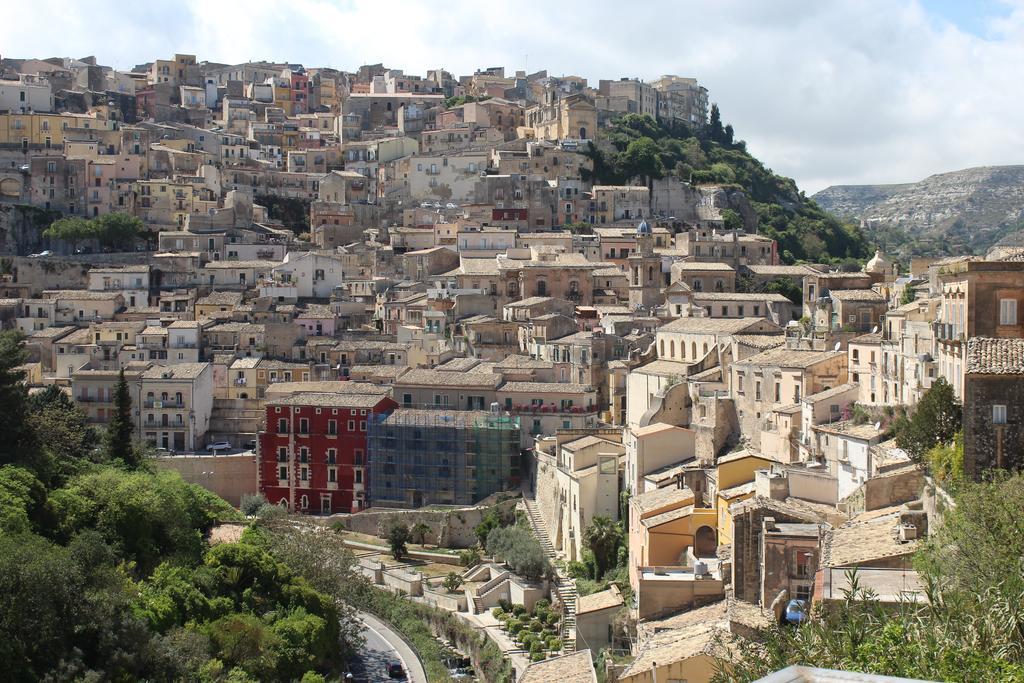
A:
833,92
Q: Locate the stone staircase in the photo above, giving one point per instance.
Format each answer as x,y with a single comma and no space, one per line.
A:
565,587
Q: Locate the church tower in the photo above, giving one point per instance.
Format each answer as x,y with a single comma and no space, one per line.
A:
645,278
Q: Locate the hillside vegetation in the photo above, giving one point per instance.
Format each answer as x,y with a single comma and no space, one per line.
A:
955,213
639,149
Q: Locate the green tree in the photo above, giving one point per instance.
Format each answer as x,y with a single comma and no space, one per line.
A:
908,295
16,446
117,230
642,160
491,520
946,462
522,552
603,537
936,420
72,229
715,130
731,220
418,533
22,499
452,582
398,537
65,441
118,439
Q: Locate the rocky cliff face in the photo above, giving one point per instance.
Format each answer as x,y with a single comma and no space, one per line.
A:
969,209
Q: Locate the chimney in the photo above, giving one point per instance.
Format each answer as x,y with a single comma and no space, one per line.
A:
769,524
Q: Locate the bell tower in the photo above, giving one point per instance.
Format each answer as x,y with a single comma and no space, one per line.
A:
645,278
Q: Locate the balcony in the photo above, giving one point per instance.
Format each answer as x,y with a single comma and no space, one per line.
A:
157,424
170,404
550,409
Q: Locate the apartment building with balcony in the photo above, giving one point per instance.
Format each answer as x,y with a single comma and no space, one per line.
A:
93,389
544,407
132,282
175,405
79,306
313,449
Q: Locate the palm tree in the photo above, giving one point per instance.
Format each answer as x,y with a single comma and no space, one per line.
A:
418,533
603,537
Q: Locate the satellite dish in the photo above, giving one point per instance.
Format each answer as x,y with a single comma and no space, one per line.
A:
836,347
874,329
878,425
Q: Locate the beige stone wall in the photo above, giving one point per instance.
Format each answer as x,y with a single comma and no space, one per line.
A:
449,528
885,491
229,476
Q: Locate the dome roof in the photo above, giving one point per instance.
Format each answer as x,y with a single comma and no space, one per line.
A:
643,228
878,263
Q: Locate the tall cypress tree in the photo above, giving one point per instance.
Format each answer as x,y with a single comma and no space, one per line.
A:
119,430
13,400
715,130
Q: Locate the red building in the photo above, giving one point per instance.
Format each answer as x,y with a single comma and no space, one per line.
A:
313,450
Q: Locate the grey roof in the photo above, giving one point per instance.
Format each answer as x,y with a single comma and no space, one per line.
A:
986,356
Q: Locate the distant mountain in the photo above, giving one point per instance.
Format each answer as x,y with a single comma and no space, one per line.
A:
960,212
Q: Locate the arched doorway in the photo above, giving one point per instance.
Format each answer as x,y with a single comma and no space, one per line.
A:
705,542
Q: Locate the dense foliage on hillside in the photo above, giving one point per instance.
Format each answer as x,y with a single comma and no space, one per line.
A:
105,573
638,148
970,629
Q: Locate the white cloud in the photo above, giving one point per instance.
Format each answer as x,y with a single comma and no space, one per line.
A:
848,91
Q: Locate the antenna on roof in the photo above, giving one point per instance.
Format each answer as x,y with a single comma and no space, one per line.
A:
836,347
878,425
874,329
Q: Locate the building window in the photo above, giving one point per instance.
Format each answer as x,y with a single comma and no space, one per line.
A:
303,454
304,425
1007,311
332,426
332,456
351,425
332,474
359,477
803,564
282,426
357,456
282,473
999,414
282,454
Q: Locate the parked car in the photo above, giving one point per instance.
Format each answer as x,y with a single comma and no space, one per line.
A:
796,612
395,670
218,446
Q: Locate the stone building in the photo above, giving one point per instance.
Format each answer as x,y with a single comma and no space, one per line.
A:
993,402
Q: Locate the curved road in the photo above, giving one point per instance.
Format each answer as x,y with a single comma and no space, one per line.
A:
384,646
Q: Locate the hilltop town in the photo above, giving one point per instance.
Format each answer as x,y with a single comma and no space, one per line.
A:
383,301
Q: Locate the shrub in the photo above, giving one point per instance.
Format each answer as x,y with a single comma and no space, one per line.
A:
537,657
505,605
536,626
577,570
499,613
520,551
554,644
518,610
537,647
469,558
452,582
251,504
528,641
513,626
551,619
543,603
